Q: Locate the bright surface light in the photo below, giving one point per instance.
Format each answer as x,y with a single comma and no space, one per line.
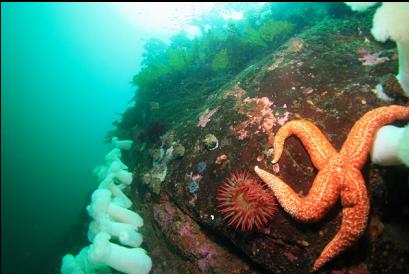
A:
234,15
163,17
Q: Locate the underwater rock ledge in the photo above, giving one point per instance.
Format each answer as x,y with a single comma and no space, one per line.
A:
315,76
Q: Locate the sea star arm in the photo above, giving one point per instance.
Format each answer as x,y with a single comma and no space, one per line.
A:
314,140
355,202
321,197
360,139
338,175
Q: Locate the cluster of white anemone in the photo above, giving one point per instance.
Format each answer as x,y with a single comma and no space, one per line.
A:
112,219
391,22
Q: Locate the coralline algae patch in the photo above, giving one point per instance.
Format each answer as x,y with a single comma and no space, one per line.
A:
260,117
194,245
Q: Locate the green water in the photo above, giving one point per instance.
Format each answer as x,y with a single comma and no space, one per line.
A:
65,71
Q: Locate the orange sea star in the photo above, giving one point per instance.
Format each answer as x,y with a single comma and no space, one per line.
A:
338,175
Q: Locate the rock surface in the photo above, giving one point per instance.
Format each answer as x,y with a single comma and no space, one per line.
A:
316,76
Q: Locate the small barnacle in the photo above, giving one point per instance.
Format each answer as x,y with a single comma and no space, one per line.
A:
210,142
178,151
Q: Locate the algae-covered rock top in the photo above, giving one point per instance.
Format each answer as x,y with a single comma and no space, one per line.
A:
188,141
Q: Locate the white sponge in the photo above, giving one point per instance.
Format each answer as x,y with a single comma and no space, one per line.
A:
360,6
403,153
391,21
121,144
126,233
119,197
391,146
81,265
119,170
127,260
101,206
114,154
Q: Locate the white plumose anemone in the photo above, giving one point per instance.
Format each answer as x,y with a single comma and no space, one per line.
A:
391,21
